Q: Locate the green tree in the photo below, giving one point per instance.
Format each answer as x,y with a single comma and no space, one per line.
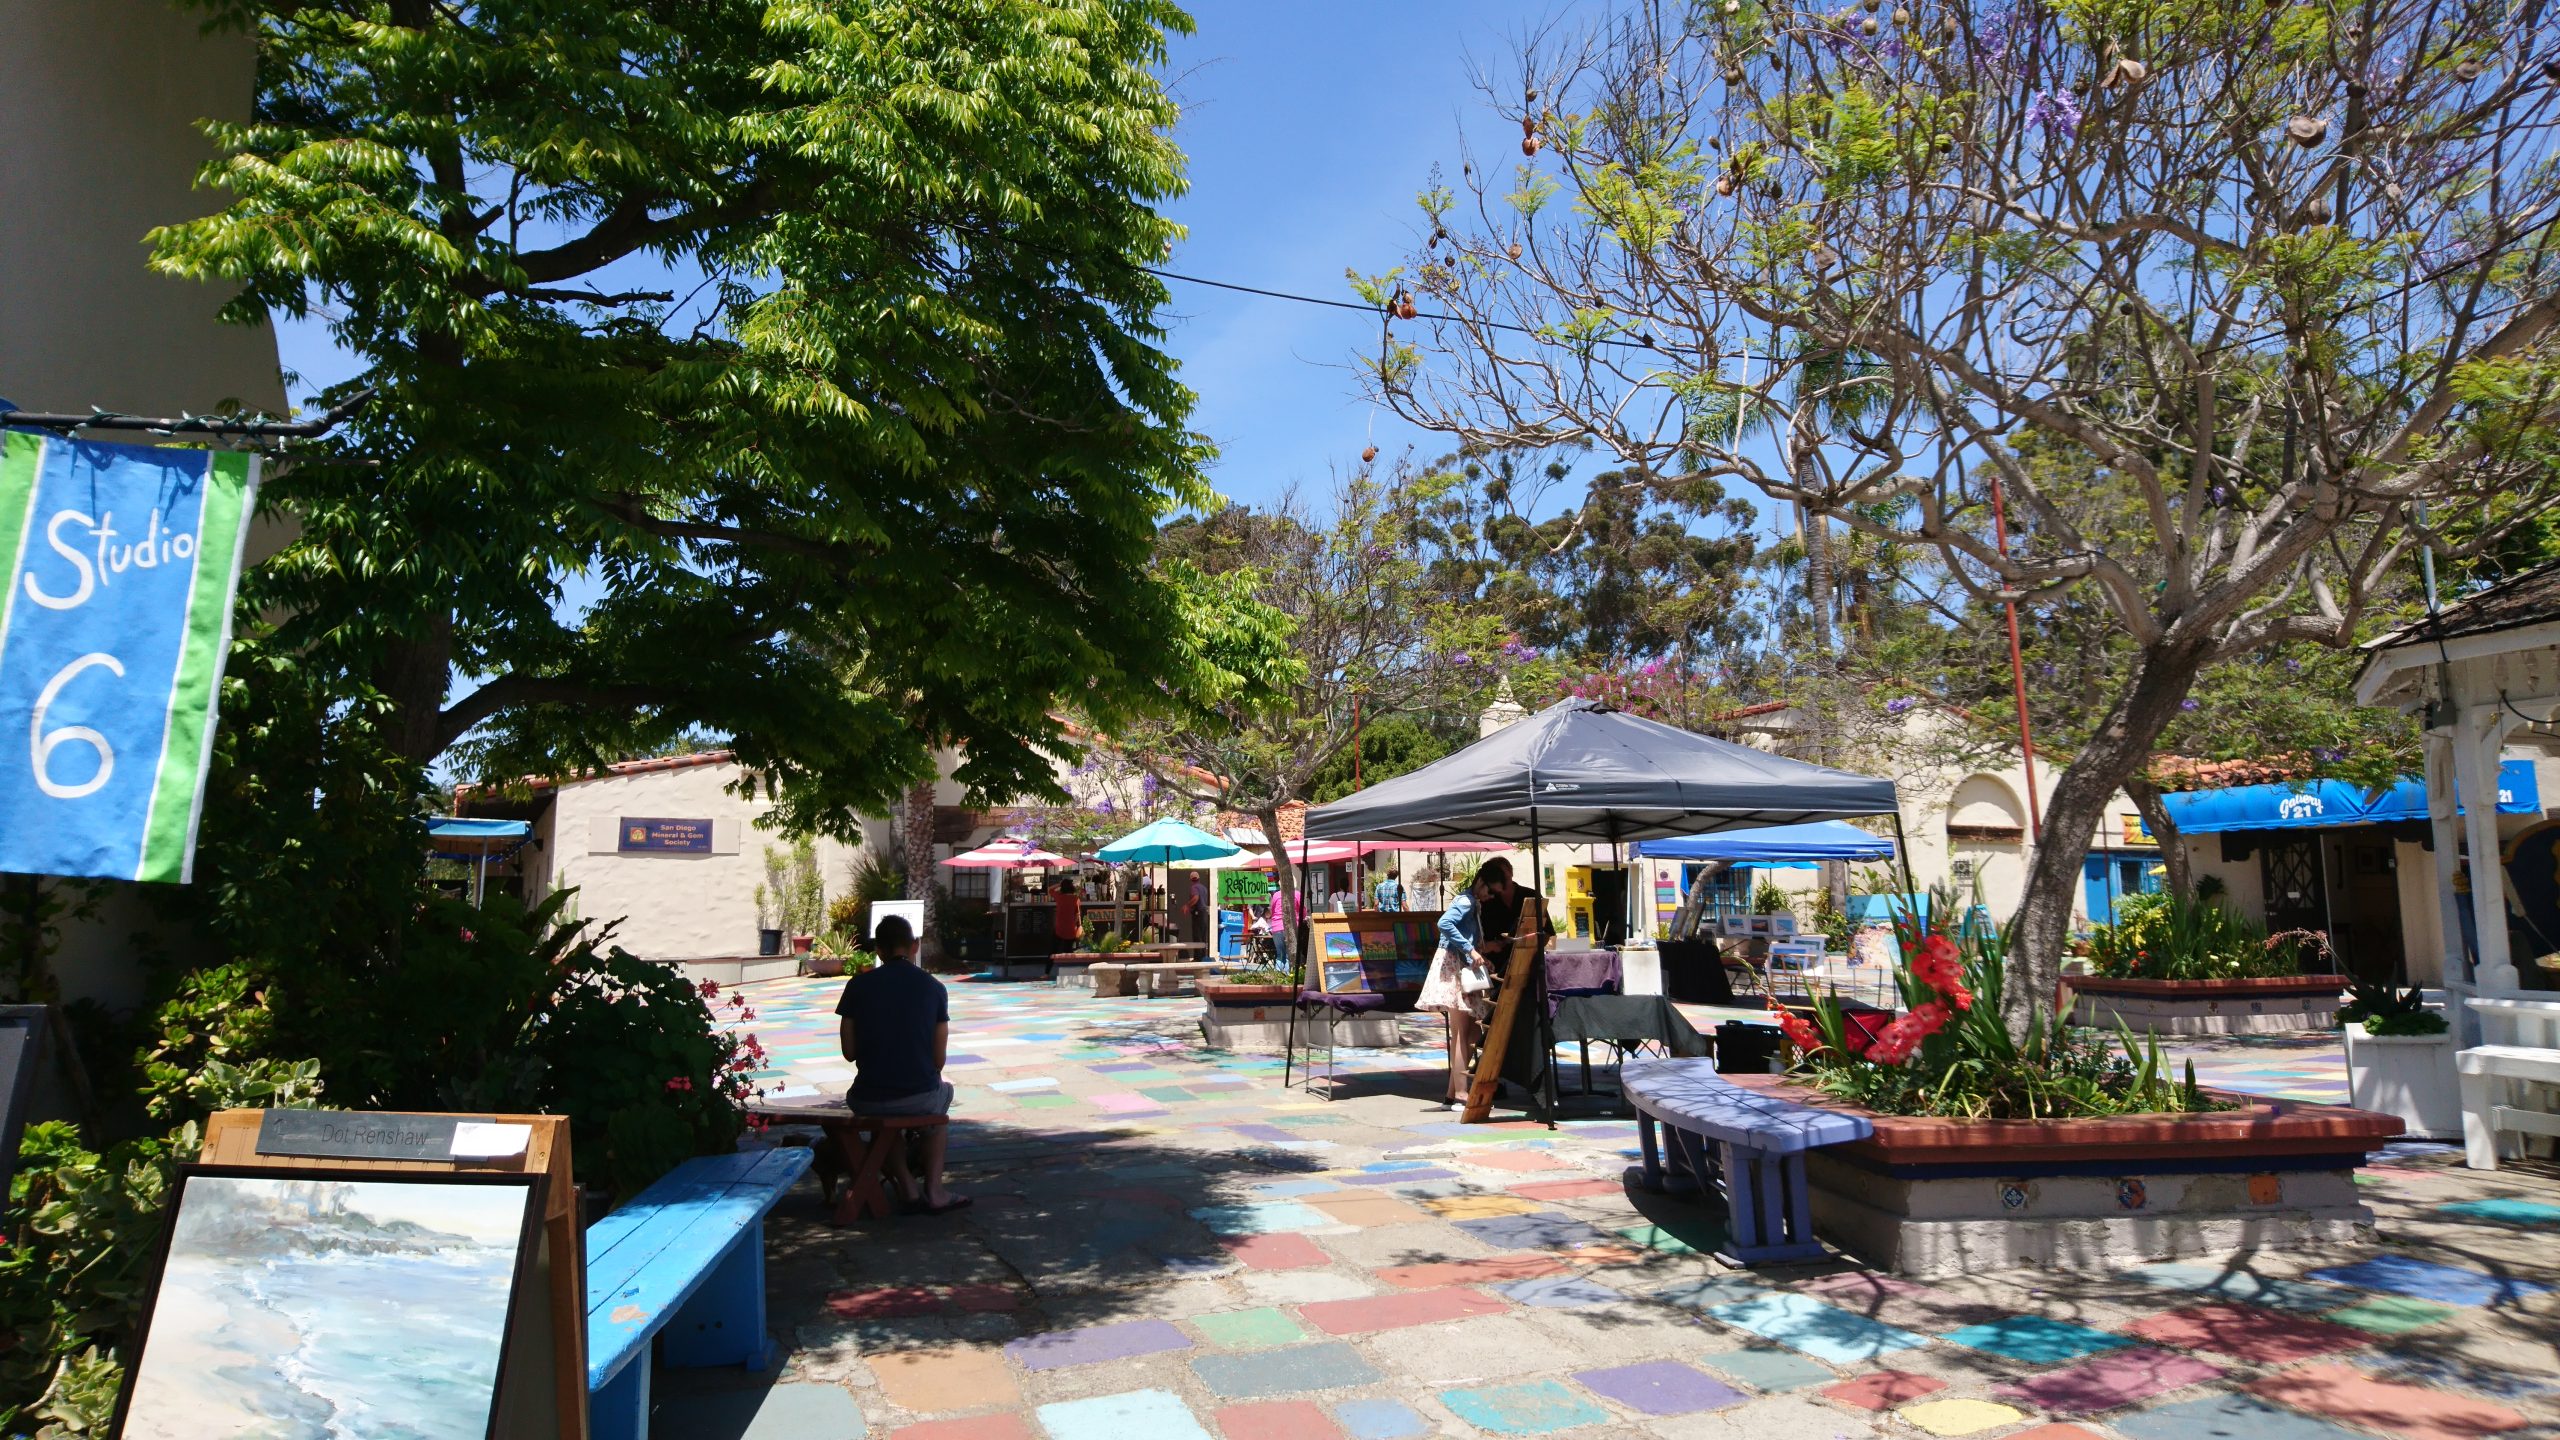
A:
1330,621
2280,272
879,468
1396,745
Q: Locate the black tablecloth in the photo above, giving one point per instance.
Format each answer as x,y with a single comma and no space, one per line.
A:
1622,1020
1693,973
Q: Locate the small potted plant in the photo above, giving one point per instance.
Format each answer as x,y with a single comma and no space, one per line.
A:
2400,1060
1264,985
768,932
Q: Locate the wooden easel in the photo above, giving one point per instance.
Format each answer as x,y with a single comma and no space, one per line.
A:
231,1138
1519,978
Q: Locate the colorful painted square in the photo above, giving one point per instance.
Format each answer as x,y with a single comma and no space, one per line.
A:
2035,1340
1537,1408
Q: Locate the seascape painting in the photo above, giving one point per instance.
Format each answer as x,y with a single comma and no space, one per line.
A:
329,1309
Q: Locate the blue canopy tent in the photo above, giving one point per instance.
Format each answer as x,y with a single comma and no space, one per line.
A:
2320,804
454,837
1774,846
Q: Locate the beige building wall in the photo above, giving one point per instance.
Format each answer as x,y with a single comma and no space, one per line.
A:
97,146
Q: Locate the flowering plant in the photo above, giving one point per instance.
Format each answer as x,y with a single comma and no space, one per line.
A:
1950,1053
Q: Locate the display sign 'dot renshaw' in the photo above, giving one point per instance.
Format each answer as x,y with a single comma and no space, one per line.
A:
121,563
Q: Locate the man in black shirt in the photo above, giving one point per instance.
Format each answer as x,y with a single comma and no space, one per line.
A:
896,1029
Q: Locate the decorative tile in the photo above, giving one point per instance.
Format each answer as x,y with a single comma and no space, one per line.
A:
1278,1252
2510,1211
2114,1379
2348,1394
931,1382
2392,1315
1490,1270
1549,1191
2248,1332
1659,1387
1280,1217
1095,1344
1536,1408
1883,1389
1276,1420
1156,1414
1258,1373
976,1427
2035,1340
1395,1312
1545,1230
1257,1329
1478,1207
1960,1417
1372,1419
1713,1290
2427,1280
2227,1417
1767,1369
792,1410
1822,1331
1560,1292
2224,1283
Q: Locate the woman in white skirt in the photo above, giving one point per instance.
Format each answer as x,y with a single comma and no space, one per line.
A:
1456,988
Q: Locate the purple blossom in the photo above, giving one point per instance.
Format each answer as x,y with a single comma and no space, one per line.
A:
1991,34
1899,704
2055,110
1652,667
2189,705
1462,658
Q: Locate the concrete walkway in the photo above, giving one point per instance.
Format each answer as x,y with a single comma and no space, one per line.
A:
1168,1245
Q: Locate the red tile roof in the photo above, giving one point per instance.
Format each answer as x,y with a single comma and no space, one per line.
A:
539,783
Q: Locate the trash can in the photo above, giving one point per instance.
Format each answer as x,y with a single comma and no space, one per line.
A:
1746,1049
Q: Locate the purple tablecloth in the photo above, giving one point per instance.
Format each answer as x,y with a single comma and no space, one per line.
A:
1586,972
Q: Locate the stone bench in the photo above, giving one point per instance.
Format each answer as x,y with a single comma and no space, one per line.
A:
1759,1147
679,1268
2524,1050
1126,979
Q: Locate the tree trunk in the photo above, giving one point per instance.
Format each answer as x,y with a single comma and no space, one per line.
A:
2114,754
915,835
1284,876
2173,851
1818,586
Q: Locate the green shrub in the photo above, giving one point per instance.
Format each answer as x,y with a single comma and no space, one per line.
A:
2171,937
2389,1010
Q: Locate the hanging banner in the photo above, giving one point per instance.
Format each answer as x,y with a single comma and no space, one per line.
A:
121,563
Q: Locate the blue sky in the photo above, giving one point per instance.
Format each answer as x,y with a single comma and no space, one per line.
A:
1310,126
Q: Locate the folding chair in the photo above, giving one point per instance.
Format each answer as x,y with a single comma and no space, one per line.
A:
864,1142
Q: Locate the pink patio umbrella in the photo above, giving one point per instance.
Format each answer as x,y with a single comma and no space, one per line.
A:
1008,853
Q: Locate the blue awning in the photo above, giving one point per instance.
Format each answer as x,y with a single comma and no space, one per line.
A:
1773,845
456,837
2320,804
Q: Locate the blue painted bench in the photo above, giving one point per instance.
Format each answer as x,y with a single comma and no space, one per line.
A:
1759,1142
682,1264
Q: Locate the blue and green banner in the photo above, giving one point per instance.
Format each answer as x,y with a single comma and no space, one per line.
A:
122,561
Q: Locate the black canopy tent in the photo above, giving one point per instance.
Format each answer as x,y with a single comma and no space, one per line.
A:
1580,771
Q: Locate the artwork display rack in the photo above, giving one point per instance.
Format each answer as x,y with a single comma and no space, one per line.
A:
553,1402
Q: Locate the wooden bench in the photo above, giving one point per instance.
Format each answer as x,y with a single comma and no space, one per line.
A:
1759,1143
2522,1049
681,1264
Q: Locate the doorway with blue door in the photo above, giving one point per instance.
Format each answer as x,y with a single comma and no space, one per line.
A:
2109,877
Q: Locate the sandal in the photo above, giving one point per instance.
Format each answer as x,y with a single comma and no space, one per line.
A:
961,1203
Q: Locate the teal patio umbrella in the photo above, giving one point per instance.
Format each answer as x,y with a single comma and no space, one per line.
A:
1164,842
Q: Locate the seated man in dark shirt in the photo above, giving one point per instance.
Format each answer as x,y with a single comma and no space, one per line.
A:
896,1029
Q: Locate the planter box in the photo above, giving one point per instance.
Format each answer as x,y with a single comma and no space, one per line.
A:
1229,993
2277,1004
2411,1076
1263,1025
1928,1197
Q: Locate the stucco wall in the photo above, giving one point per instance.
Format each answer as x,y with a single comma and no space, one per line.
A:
671,906
97,146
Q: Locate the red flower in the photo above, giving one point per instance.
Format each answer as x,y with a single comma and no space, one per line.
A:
710,989
680,1085
1800,1031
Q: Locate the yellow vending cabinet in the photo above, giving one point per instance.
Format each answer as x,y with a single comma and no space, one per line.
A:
1577,899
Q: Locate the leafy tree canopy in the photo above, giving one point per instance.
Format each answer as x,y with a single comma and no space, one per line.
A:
881,469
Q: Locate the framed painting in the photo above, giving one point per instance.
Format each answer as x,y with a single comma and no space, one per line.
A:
329,1302
1341,945
1345,977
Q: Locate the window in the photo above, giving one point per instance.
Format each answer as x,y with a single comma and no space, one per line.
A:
968,884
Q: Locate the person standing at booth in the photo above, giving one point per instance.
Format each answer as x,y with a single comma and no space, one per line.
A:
1457,987
1066,923
1391,892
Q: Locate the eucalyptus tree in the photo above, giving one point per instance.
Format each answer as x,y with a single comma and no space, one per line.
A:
2280,269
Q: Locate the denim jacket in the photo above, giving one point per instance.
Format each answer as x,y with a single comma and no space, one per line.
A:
1458,923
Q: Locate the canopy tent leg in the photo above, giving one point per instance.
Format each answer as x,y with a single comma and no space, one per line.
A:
1298,933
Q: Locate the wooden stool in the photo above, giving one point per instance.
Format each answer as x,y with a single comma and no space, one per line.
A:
864,1141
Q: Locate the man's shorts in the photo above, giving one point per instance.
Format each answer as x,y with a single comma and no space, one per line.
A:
936,1101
